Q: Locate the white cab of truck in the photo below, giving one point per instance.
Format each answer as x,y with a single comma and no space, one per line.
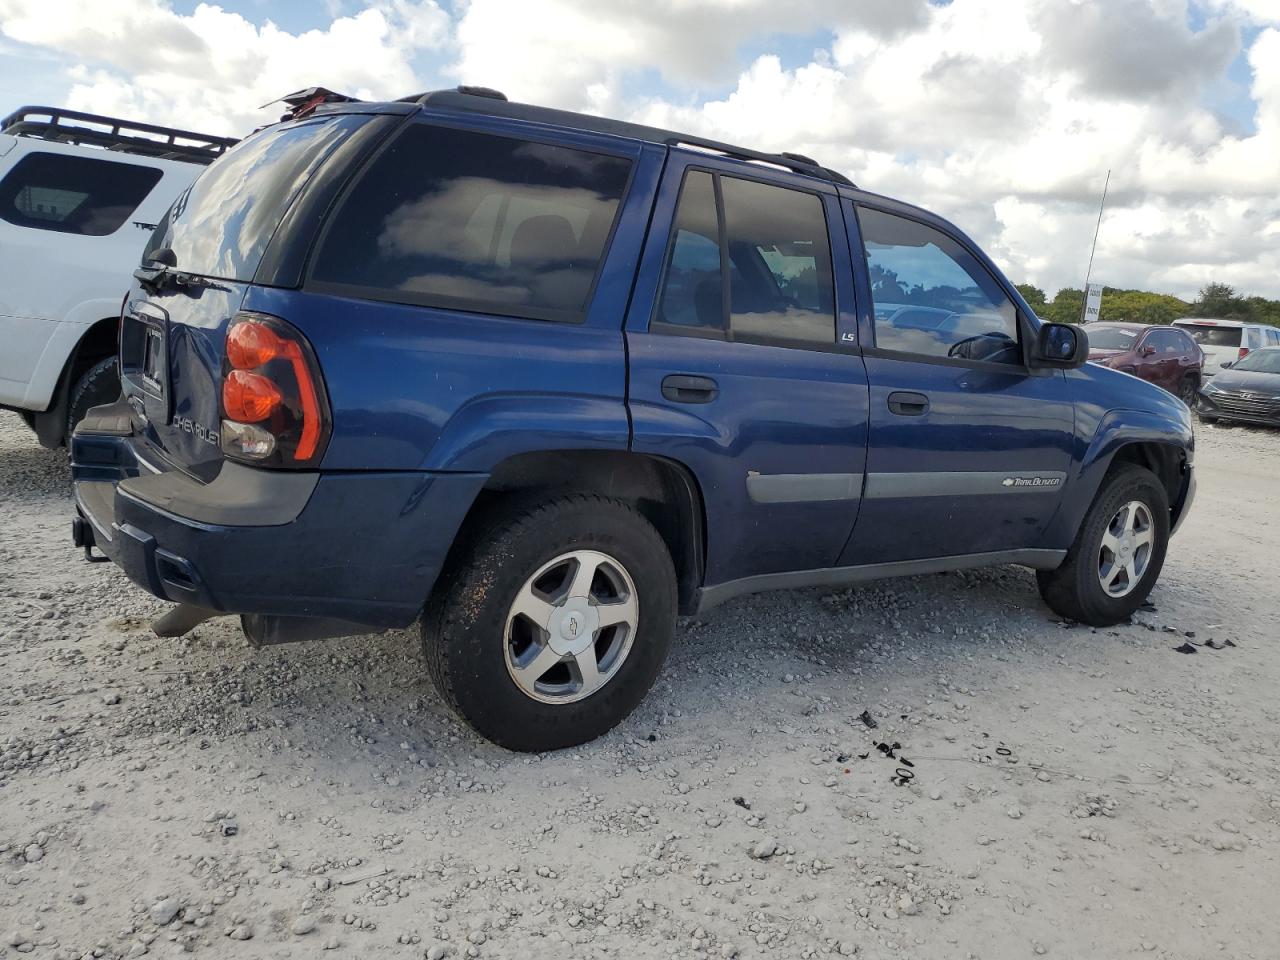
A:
79,196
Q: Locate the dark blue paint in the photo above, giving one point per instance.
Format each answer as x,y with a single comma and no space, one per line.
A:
427,402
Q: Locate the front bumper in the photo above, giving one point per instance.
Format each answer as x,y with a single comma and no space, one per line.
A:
361,547
1219,405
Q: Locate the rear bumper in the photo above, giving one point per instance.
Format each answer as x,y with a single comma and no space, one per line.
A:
361,547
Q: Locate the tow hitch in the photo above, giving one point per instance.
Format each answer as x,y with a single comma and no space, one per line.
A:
82,536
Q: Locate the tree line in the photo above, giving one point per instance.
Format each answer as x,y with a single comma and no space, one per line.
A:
1218,301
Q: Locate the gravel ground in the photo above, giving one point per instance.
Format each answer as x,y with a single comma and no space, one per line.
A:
1027,788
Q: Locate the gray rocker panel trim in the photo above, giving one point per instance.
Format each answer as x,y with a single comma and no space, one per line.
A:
717,594
962,483
803,487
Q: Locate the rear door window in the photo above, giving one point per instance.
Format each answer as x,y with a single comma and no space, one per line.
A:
780,286
773,240
69,194
474,221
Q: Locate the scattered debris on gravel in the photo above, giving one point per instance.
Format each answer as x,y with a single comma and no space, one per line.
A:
923,768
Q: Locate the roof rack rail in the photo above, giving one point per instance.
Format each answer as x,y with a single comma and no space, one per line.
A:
123,136
796,162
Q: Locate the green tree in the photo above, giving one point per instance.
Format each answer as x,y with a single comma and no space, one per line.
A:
1066,307
1219,301
1033,295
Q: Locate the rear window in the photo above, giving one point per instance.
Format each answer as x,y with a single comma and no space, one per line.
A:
222,224
1208,336
472,221
84,195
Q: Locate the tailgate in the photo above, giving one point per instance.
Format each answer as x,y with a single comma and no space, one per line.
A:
213,238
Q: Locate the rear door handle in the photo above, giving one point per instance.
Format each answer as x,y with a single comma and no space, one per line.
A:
682,388
907,404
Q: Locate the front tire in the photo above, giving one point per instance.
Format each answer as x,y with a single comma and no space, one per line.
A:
552,621
1117,554
1188,390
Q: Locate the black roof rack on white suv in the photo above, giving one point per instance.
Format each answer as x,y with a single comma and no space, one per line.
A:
112,133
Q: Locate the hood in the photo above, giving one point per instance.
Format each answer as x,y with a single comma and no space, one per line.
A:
1098,354
1255,381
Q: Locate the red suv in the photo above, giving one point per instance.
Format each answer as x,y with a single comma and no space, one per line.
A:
1164,355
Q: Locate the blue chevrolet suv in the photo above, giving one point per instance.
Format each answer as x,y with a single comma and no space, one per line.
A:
541,382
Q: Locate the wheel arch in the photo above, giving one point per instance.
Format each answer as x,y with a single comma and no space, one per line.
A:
664,491
99,340
1143,438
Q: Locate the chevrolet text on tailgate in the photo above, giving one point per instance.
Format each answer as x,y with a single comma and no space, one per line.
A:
541,381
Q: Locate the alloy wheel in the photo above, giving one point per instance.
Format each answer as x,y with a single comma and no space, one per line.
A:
571,626
1127,544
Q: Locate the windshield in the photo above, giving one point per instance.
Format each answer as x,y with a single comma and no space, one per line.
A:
1208,336
221,225
1111,338
1260,361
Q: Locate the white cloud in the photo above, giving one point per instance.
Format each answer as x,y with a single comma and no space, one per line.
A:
212,70
1002,114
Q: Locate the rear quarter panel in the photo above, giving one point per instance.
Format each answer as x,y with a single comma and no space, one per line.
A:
421,388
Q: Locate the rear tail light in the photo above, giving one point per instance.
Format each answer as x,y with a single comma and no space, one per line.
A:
1244,352
274,407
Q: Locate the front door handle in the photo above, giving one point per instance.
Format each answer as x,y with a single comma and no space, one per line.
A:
907,404
682,388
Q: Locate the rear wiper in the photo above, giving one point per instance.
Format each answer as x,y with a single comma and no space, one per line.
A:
160,270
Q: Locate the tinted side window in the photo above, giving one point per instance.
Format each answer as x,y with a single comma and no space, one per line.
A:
474,221
931,296
780,286
1214,336
53,191
692,295
774,242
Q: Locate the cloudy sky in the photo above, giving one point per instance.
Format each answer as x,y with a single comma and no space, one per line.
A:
1001,114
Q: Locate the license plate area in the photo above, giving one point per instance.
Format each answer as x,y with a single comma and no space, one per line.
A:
153,359
144,361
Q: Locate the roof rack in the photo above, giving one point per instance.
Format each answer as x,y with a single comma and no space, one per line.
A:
123,136
493,102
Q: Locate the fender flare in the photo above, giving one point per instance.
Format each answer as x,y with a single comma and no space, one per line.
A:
1116,429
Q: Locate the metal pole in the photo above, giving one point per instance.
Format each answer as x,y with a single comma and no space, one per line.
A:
1089,271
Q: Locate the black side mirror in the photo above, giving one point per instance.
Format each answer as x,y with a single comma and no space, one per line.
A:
1060,345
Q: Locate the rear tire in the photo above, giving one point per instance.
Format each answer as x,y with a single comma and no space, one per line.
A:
542,674
1107,575
98,385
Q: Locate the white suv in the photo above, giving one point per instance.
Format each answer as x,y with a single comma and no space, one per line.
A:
1226,341
79,196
